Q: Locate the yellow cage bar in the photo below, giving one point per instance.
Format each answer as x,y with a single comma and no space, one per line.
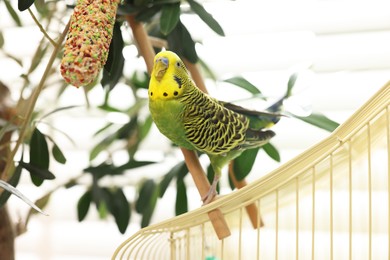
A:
330,202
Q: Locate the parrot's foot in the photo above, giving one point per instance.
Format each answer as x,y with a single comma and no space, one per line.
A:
212,191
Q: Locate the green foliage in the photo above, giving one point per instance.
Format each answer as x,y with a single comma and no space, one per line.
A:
244,84
1,40
170,15
57,154
181,205
113,69
244,163
119,207
319,120
146,201
206,17
271,151
12,12
179,169
83,205
13,181
39,159
181,42
24,4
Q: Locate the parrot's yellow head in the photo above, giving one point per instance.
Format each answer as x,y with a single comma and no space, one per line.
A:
169,77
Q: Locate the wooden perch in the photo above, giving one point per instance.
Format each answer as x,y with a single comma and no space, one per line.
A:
216,217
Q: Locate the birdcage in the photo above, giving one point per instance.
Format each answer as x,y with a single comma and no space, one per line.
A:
330,202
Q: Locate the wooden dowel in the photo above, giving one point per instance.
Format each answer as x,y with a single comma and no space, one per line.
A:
202,184
251,209
192,161
195,74
142,41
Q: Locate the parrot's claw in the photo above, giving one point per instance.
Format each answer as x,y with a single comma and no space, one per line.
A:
210,195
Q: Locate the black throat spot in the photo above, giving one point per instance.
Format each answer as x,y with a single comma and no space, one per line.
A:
178,81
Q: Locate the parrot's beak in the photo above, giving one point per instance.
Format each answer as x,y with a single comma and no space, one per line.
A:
160,67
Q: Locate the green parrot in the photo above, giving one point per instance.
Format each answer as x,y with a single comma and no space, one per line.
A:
196,121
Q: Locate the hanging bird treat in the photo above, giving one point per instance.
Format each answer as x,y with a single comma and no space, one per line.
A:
88,40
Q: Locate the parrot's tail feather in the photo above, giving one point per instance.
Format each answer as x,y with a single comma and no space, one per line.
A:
259,136
256,138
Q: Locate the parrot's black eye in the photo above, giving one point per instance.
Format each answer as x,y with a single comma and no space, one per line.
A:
178,64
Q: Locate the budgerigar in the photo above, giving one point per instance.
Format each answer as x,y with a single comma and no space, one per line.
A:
196,121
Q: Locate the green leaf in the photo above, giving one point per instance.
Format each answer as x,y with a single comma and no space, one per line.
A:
244,163
1,40
141,2
210,173
37,174
122,133
231,183
102,209
291,83
148,213
244,84
170,15
140,81
20,195
189,51
83,205
179,169
42,7
120,209
99,147
40,203
146,201
206,17
14,181
271,151
58,155
126,9
144,196
146,14
113,68
101,198
145,128
180,41
100,170
130,165
208,72
104,128
39,151
13,13
39,159
181,205
108,169
24,4
128,129
319,120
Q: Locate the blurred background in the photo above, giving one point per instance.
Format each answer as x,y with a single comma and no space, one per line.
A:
339,50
